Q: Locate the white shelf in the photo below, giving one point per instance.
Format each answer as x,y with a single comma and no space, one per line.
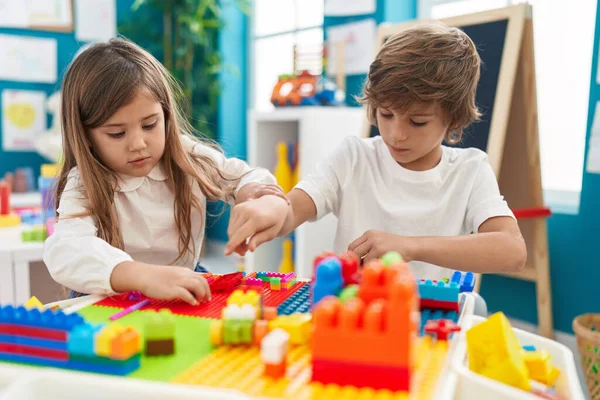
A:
25,200
318,130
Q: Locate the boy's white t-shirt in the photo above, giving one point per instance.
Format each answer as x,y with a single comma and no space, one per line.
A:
367,189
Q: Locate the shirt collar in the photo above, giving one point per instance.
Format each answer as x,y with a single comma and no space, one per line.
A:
130,183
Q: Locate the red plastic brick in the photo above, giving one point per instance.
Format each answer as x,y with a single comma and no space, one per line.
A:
31,332
360,375
53,354
212,309
439,305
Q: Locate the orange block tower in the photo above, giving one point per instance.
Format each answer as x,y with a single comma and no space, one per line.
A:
369,340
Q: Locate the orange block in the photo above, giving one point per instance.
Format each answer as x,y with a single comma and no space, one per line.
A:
377,327
126,344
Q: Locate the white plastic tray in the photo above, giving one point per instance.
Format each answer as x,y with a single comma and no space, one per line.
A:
470,385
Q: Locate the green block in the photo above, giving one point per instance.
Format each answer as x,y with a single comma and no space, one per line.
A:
390,258
446,279
275,281
349,292
192,338
237,331
159,325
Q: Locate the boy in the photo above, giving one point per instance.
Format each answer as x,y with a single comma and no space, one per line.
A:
440,207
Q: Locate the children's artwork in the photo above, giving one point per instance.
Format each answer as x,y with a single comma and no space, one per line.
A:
27,59
593,157
23,119
38,14
95,20
359,46
338,8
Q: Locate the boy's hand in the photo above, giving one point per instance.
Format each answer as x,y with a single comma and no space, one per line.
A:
374,244
169,282
260,220
256,190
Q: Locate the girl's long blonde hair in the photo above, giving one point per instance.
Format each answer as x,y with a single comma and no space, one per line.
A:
102,79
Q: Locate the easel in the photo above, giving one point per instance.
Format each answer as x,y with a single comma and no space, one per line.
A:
513,145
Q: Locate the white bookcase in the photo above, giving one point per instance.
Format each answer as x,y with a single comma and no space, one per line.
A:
318,130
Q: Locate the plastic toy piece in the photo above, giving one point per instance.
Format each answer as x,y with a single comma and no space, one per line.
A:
494,351
275,283
159,333
428,315
253,283
283,169
390,258
438,305
129,310
529,348
134,296
441,328
298,326
34,303
273,352
539,366
81,340
225,282
299,302
350,263
438,290
287,263
348,293
35,234
240,298
269,313
328,280
465,281
344,334
288,280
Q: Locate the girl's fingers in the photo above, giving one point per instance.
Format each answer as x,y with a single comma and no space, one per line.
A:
239,236
185,295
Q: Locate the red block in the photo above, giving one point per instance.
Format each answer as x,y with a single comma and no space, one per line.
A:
350,263
32,332
18,349
439,305
361,375
4,198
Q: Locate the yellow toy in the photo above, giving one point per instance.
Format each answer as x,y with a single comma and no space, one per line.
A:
283,170
299,326
495,352
34,303
539,366
287,263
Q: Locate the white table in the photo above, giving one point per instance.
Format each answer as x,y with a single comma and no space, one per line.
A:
15,257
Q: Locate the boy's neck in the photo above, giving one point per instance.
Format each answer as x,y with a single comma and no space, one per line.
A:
427,162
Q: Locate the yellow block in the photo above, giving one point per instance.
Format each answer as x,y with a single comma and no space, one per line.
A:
298,326
539,366
495,352
33,303
240,298
49,170
105,338
9,221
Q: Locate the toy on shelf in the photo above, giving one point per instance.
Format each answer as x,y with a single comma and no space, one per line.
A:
52,338
283,169
344,334
8,219
273,353
287,263
159,333
36,233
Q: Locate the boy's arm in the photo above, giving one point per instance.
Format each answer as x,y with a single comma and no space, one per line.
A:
497,247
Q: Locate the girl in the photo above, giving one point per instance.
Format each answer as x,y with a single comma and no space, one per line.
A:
133,188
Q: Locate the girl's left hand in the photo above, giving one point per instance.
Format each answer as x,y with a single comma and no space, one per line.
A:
256,190
260,220
372,245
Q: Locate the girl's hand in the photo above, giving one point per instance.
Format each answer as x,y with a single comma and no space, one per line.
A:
256,190
260,220
169,282
374,244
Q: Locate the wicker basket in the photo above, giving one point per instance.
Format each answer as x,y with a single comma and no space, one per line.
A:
587,331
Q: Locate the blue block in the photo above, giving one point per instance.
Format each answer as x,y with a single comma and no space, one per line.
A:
299,302
47,319
43,343
529,348
328,279
81,340
466,281
439,291
8,339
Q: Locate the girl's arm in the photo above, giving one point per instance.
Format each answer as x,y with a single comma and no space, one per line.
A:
497,247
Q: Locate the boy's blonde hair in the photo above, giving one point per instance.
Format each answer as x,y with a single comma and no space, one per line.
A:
101,80
426,64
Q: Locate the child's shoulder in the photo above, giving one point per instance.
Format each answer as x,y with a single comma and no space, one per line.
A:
465,156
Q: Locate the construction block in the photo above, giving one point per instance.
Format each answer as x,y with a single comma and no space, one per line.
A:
10,221
81,340
299,302
350,263
539,366
390,258
324,255
104,338
275,283
441,329
298,326
239,297
32,303
26,341
262,275
273,352
359,375
237,331
328,279
464,280
159,325
160,347
434,315
38,352
438,290
438,305
349,292
35,234
494,351
253,283
48,324
377,280
126,344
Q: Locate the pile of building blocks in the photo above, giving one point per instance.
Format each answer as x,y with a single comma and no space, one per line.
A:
438,295
494,351
464,280
159,333
276,280
52,338
345,334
